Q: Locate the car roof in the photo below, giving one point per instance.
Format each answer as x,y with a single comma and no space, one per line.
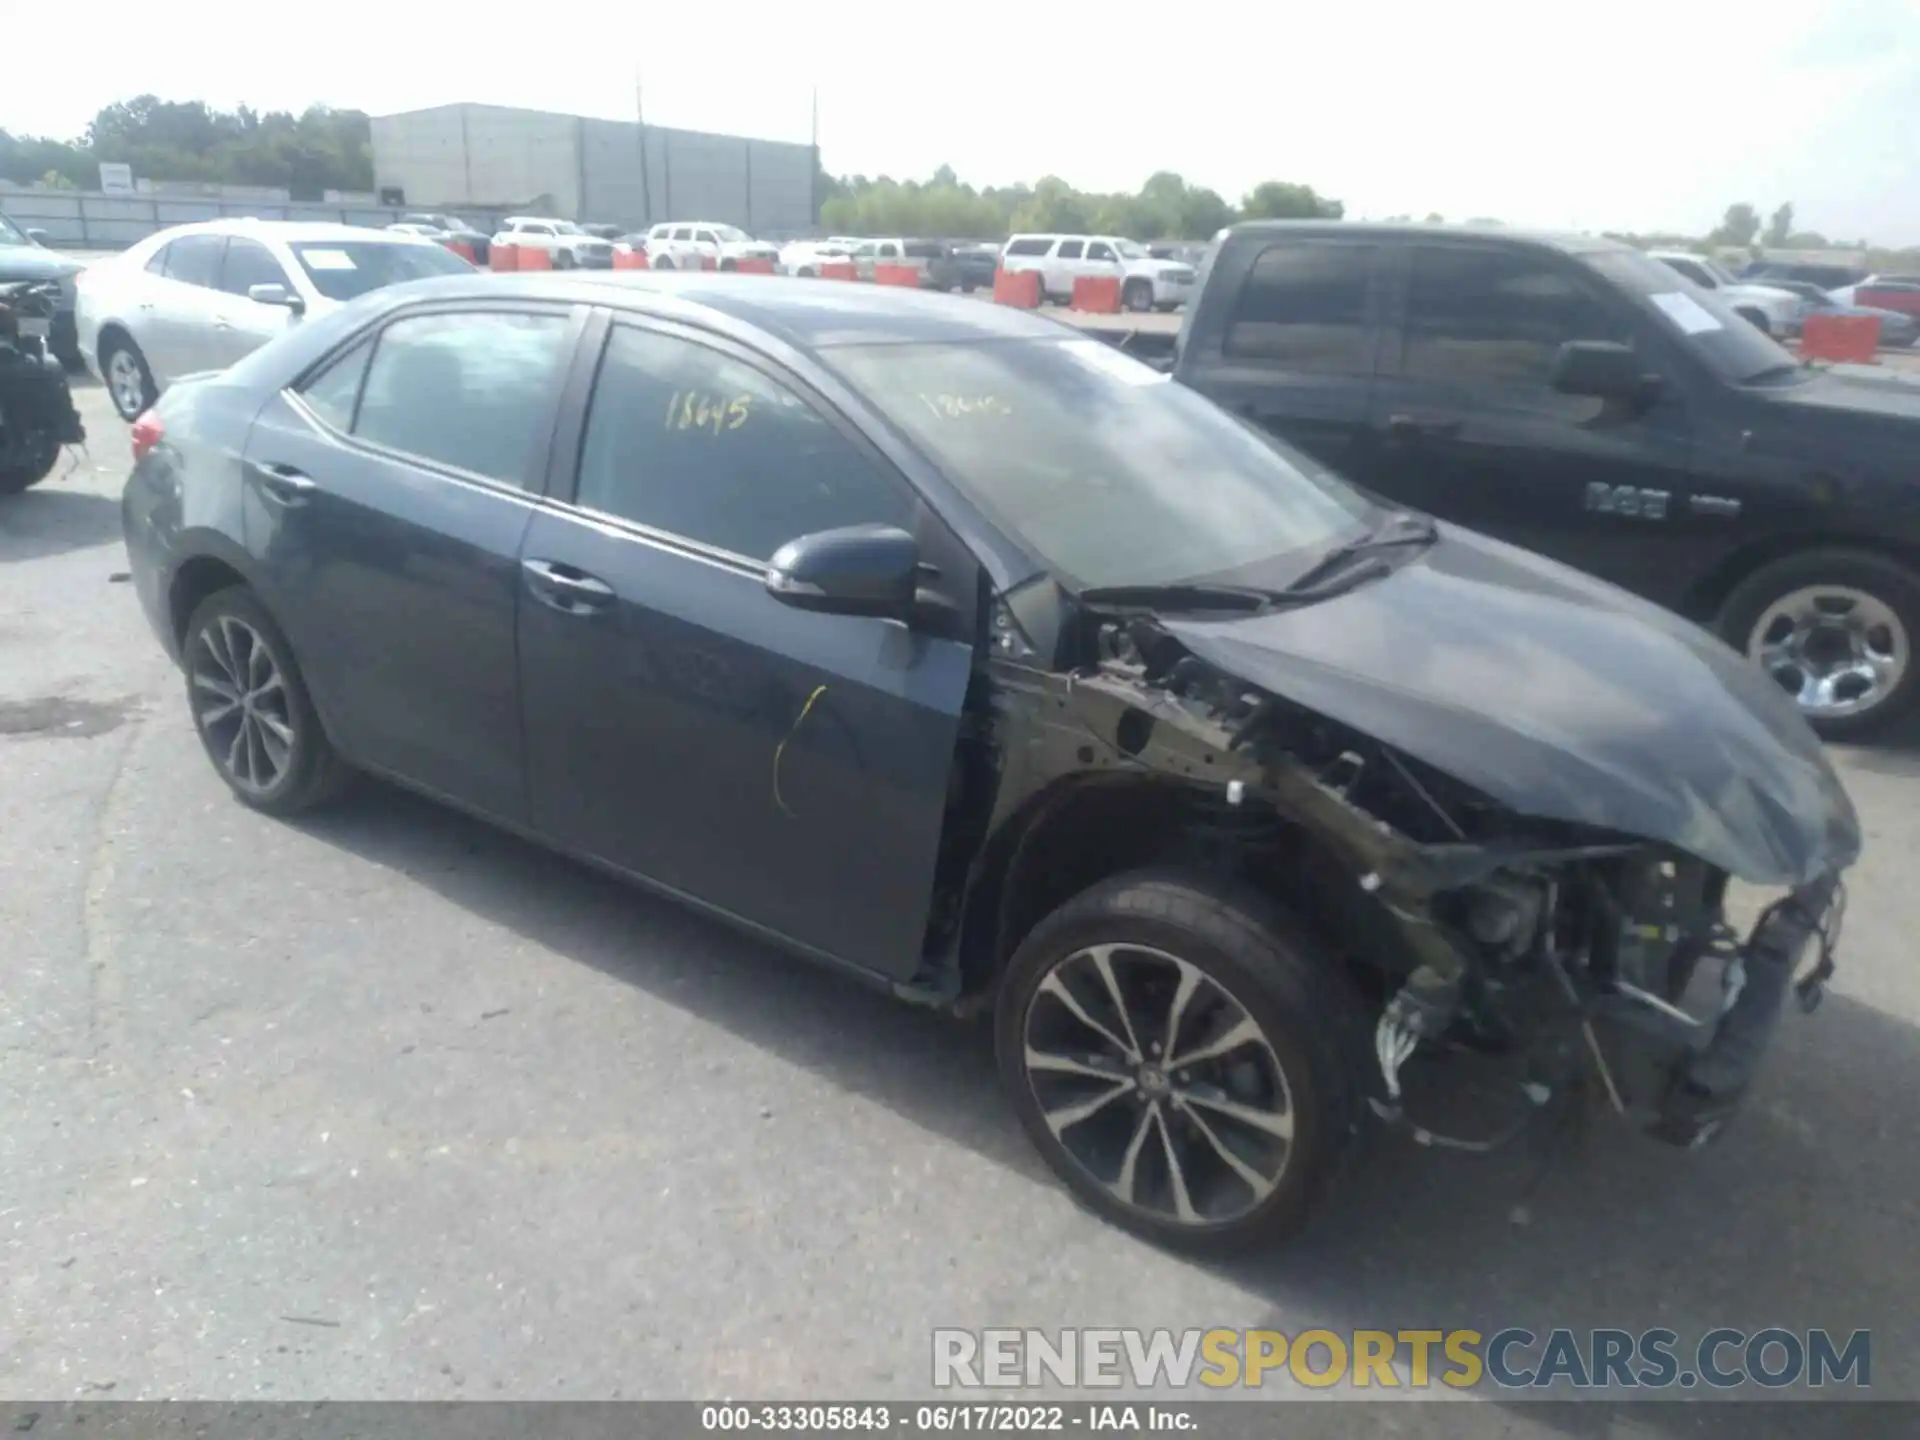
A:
287,231
805,314
1573,244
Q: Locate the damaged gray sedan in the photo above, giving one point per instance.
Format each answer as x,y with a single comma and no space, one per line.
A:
940,643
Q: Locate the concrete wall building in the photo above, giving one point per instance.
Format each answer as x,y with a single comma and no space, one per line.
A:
497,160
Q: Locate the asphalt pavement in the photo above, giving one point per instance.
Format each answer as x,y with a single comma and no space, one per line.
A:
385,1104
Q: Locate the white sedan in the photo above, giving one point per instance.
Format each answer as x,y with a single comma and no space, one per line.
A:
199,297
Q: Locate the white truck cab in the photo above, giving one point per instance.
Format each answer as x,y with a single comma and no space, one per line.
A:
1145,283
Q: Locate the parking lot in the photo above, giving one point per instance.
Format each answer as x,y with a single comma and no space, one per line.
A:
386,1104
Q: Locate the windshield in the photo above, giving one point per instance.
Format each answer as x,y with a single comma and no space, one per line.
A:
341,270
12,234
731,233
1107,470
567,227
1131,249
1732,346
1720,276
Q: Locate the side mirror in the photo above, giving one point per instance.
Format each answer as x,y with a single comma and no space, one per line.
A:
38,237
1601,368
856,570
276,295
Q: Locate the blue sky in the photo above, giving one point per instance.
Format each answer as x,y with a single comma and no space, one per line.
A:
1625,114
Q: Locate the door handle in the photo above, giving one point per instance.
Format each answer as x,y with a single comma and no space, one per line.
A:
1409,427
284,483
570,591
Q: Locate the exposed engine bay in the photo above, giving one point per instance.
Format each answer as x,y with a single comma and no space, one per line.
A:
1484,928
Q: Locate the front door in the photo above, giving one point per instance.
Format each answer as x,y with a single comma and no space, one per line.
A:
241,326
387,497
1468,427
1062,265
785,768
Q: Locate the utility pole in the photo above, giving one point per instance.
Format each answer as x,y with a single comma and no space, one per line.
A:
640,124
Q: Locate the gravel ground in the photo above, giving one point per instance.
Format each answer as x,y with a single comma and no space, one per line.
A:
387,1104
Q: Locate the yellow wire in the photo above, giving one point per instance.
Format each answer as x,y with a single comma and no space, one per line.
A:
781,749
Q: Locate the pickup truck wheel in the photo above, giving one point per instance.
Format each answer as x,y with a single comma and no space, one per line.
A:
728,265
1137,295
1186,1058
26,464
665,262
806,272
1836,629
563,260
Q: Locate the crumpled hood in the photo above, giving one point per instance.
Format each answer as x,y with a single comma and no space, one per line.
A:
1562,698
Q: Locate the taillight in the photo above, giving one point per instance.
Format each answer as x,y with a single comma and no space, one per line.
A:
147,433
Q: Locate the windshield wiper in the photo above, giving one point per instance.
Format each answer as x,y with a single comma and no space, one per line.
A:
1402,527
1197,596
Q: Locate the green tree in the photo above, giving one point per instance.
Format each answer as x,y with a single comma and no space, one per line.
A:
1279,200
1737,227
1780,226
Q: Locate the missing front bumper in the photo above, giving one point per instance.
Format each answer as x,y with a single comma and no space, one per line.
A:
1696,1073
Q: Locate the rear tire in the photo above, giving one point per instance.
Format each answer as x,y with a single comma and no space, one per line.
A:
251,709
1862,600
1284,1101
129,381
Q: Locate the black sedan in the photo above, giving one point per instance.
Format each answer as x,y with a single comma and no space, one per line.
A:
943,644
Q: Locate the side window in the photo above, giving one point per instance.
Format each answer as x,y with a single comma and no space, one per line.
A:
704,237
866,251
472,389
1100,250
250,263
1071,249
1304,306
157,264
195,259
1029,246
1493,318
889,250
333,392
681,232
539,230
1691,271
692,442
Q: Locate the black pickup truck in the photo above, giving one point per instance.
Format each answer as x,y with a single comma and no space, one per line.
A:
1574,397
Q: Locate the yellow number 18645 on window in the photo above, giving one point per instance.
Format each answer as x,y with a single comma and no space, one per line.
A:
695,410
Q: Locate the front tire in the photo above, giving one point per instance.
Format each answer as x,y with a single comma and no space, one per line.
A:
1186,1057
24,471
251,709
1137,296
1836,629
129,381
563,260
665,262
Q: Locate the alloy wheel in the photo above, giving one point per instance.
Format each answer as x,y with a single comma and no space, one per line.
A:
241,704
126,383
1159,1084
1837,650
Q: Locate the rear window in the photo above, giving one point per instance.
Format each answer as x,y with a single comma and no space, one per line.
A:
342,270
1304,306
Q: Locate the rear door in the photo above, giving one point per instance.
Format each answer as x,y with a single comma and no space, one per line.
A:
1468,427
387,495
788,769
177,331
1062,265
240,325
1293,344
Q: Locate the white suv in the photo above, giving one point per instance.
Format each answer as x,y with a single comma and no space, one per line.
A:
1145,283
566,242
685,246
1775,312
